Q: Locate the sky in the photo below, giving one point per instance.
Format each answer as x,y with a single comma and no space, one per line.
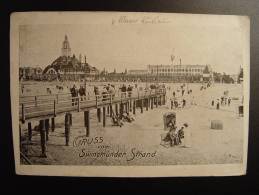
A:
134,46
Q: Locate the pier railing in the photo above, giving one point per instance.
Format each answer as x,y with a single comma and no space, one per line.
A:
33,107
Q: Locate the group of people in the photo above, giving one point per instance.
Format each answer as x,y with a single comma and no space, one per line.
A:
180,100
175,135
222,101
118,120
183,94
126,90
81,92
177,103
205,86
110,89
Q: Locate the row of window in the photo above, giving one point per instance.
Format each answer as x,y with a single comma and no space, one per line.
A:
180,73
176,70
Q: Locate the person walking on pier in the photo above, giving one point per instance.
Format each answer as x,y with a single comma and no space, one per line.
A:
104,94
111,91
82,93
74,94
129,90
123,91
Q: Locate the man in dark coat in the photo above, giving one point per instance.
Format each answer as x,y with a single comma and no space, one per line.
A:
74,93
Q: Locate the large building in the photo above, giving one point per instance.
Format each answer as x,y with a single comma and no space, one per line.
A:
173,73
176,73
179,70
69,67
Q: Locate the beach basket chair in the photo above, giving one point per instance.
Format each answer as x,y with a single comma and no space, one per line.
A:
167,117
241,111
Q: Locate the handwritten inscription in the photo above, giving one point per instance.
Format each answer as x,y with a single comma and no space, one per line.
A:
142,20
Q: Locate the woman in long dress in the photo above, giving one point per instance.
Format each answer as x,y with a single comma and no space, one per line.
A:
187,136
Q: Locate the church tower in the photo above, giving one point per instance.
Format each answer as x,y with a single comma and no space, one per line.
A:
65,50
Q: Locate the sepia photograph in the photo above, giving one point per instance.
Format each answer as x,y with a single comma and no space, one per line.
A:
129,94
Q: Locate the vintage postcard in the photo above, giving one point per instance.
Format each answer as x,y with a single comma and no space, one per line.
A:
120,94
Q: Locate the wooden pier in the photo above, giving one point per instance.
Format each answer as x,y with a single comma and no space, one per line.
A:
45,108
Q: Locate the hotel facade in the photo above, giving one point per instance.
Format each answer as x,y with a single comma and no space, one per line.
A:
179,70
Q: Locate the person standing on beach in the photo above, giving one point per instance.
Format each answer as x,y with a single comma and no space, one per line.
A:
187,136
222,100
229,101
217,105
184,103
193,101
172,103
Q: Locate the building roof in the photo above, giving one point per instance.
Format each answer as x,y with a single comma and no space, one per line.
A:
69,63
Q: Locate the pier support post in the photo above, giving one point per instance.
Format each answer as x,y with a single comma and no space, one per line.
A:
53,124
141,106
99,114
108,110
156,101
43,138
126,107
152,103
104,117
116,109
87,122
67,128
130,105
47,129
111,111
147,104
134,106
121,109
70,118
29,131
163,100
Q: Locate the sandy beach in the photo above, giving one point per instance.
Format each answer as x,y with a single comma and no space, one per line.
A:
138,143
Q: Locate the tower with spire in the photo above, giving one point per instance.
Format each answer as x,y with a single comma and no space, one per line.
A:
66,50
